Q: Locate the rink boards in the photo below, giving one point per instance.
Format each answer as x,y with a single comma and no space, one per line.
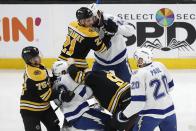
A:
168,29
174,63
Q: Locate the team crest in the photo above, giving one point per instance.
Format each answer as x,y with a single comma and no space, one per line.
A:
37,72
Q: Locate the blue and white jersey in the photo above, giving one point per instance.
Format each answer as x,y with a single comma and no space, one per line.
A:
78,105
150,87
118,51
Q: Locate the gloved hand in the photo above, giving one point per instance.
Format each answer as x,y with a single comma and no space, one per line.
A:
110,27
66,96
118,121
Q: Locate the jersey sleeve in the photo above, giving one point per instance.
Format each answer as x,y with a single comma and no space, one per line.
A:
124,28
100,45
76,74
169,78
39,82
138,95
41,88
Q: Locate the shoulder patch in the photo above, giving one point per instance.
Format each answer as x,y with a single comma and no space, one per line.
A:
84,31
35,73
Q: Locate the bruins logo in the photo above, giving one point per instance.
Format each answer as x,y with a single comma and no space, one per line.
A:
91,30
37,72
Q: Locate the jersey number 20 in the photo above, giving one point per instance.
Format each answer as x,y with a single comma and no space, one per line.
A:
156,84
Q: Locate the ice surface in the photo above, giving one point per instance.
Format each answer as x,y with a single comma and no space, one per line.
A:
184,96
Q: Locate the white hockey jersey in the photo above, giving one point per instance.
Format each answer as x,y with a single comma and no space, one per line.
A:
117,52
150,87
79,104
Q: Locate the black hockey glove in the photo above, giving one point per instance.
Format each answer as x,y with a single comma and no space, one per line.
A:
110,27
64,94
119,121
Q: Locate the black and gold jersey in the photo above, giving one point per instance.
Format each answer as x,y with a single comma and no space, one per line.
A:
37,91
112,92
79,41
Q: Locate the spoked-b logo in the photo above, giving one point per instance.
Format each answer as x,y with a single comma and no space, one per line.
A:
169,31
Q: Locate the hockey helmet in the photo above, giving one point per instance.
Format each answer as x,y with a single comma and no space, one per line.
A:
28,53
83,13
59,68
143,54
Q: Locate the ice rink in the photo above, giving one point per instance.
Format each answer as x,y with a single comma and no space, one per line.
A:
184,96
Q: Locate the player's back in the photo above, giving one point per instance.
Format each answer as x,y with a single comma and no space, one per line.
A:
158,101
79,41
108,89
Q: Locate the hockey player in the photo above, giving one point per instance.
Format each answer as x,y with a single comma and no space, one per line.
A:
150,87
37,94
81,38
115,58
112,93
109,90
82,112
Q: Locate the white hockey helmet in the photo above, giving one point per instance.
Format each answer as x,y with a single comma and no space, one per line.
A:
143,56
59,68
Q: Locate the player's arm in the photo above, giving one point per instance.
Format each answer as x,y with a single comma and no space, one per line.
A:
129,114
42,88
47,93
88,78
125,28
138,95
100,45
122,118
39,82
168,78
76,74
122,27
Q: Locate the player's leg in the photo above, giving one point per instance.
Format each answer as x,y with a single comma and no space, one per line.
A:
169,124
123,71
146,123
50,120
92,120
31,123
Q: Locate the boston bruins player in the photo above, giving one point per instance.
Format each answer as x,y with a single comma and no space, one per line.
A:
81,38
112,93
36,94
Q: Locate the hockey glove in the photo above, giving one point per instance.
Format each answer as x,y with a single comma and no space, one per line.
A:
65,95
119,121
110,27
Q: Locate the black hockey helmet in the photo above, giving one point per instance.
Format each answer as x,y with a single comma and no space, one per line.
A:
83,13
28,53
